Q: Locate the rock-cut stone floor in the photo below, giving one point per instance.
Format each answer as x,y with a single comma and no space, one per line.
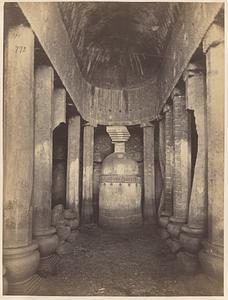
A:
133,264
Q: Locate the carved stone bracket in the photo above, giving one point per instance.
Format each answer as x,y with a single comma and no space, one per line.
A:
213,37
119,135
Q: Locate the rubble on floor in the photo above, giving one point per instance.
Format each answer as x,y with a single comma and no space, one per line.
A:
67,224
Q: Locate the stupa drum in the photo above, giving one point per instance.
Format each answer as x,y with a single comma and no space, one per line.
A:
120,193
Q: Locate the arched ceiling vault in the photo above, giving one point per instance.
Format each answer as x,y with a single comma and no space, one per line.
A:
110,100
119,45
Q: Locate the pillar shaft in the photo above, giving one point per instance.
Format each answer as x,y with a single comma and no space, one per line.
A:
73,158
181,164
87,189
196,97
59,147
21,257
42,193
215,129
44,77
18,137
59,106
192,232
161,152
168,188
149,206
181,172
212,255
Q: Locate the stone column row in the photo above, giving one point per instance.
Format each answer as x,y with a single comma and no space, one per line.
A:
197,210
32,109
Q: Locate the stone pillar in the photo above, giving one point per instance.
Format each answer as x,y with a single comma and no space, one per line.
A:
149,205
194,230
181,168
59,147
59,107
4,281
161,149
73,163
167,208
20,254
42,230
211,257
87,181
169,164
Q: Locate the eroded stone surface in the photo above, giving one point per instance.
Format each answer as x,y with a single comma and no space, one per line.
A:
63,232
73,236
73,224
65,248
69,214
57,214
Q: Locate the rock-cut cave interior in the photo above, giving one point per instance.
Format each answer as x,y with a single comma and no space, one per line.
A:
113,148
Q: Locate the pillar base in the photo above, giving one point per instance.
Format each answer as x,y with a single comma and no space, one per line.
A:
149,220
193,231
163,233
48,242
190,262
5,281
190,238
21,265
212,261
27,287
174,227
163,221
48,265
174,245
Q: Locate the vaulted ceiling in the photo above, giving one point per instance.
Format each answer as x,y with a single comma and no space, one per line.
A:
119,44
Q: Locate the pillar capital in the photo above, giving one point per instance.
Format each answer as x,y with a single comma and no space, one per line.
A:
159,117
91,124
213,37
167,108
147,124
193,69
177,93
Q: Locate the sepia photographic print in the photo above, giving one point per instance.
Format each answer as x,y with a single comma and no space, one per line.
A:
113,149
